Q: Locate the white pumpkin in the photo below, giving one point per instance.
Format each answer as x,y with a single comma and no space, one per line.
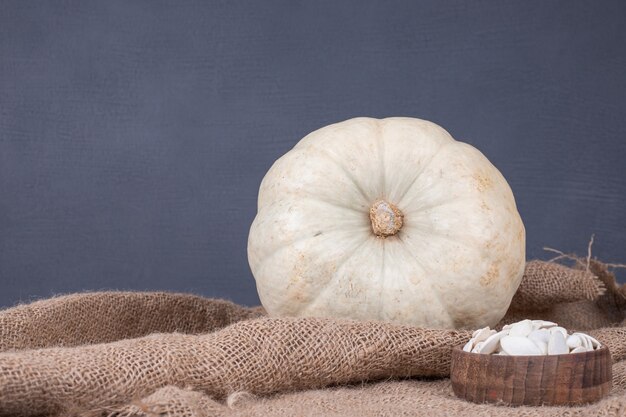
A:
388,219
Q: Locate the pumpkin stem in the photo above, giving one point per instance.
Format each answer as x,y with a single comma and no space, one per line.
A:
386,218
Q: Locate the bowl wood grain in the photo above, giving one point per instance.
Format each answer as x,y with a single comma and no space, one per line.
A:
570,379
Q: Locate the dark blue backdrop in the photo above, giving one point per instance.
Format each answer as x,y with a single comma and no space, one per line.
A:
134,134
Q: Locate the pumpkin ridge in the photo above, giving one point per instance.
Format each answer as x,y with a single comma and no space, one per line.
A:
347,173
450,200
326,201
444,236
333,278
381,157
381,280
405,245
289,244
421,171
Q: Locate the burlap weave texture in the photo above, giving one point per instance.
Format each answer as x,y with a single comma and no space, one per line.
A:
145,354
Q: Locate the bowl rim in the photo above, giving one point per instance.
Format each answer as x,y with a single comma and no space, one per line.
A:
599,350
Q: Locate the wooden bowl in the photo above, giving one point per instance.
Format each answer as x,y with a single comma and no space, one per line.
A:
570,379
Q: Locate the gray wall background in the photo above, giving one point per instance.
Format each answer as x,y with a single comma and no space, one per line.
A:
134,134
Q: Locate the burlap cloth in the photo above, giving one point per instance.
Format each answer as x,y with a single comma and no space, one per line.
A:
158,354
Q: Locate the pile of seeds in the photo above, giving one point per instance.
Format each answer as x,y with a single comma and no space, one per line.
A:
530,337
